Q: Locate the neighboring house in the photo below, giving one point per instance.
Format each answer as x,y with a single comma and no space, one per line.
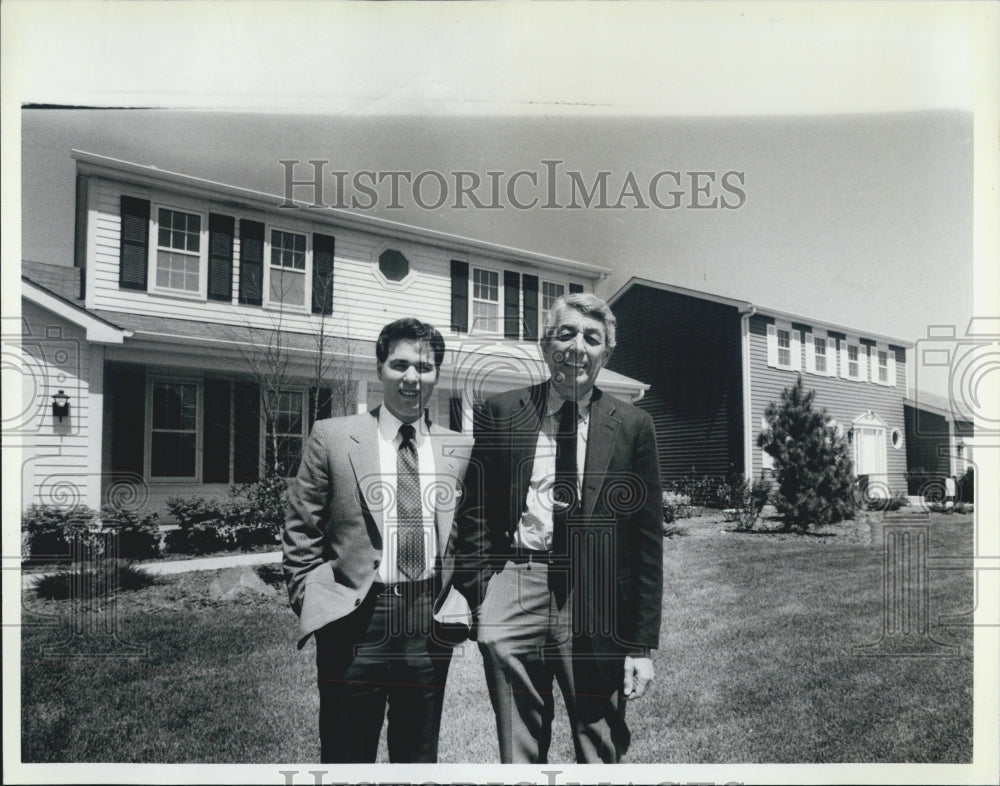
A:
938,443
185,334
714,364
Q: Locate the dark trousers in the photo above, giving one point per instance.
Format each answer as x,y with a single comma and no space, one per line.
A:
383,653
527,642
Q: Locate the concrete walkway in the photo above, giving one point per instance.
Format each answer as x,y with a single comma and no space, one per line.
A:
164,568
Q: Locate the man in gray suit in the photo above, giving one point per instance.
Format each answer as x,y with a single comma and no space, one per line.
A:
368,557
561,545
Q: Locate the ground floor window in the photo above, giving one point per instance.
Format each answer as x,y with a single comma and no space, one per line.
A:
285,433
173,451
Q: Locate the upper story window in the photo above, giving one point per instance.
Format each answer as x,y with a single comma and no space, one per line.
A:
883,366
393,265
485,300
819,348
287,268
178,250
784,347
173,444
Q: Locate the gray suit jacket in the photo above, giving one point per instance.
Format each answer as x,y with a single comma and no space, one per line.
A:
333,531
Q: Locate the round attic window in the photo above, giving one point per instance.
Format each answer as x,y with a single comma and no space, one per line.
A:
393,265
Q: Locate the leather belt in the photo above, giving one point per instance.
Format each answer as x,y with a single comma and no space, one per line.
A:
532,555
403,588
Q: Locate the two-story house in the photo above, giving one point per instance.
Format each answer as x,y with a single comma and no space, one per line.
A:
715,363
203,327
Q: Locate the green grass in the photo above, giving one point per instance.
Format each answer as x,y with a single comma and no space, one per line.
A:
756,664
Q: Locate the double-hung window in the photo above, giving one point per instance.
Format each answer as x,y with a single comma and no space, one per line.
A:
287,268
883,367
784,347
853,362
485,300
550,293
284,442
821,360
173,451
177,262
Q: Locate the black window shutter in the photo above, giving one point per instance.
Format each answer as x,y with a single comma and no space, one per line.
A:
221,230
320,402
575,288
531,308
251,263
322,276
215,462
246,425
511,305
459,296
134,257
128,387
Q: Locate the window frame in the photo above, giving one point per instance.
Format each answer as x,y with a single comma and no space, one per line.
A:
542,311
846,345
817,338
303,436
474,329
151,382
794,346
154,249
306,306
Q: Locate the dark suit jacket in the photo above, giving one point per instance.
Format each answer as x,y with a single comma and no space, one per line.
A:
333,531
617,564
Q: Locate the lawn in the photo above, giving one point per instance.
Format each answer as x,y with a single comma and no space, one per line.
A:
757,663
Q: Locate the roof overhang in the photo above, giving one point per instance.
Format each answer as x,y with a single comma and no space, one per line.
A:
153,177
746,307
99,331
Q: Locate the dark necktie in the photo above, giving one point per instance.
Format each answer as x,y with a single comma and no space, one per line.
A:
564,493
409,513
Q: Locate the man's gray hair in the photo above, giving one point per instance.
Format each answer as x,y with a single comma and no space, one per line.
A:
587,304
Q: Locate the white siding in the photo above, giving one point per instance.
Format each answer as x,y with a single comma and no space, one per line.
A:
57,459
363,301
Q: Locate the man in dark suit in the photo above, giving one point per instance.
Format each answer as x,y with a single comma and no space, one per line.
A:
560,546
368,556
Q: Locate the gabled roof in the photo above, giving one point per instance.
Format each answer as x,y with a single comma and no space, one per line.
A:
744,306
99,330
154,177
938,405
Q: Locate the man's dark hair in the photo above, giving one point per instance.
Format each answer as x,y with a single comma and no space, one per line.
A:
410,329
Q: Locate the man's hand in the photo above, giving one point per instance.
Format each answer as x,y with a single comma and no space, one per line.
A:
638,675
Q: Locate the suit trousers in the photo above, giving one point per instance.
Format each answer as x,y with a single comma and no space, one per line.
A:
382,653
526,639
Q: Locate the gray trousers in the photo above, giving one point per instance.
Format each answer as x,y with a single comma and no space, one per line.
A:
526,640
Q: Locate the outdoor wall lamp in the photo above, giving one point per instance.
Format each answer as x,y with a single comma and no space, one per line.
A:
60,405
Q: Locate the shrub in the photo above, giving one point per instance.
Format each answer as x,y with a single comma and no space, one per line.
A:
967,486
675,506
49,529
138,536
252,517
743,501
812,463
117,576
887,504
700,492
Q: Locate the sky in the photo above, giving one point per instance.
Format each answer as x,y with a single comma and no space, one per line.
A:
849,131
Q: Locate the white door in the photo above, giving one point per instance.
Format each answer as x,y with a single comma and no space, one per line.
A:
869,454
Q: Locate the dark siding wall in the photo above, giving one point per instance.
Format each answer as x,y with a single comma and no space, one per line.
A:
688,351
927,442
843,399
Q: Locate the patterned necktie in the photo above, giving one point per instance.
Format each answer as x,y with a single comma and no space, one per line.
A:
564,493
409,514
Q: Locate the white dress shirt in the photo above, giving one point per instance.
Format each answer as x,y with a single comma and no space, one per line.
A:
388,451
534,531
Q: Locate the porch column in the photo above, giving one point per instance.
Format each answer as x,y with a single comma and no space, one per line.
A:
95,426
362,405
